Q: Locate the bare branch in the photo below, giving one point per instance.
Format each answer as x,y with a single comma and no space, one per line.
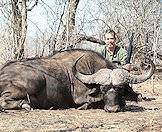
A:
82,37
35,4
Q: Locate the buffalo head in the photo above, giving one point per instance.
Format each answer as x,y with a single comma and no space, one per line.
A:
112,83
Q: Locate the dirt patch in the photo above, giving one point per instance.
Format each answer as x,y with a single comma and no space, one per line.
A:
144,116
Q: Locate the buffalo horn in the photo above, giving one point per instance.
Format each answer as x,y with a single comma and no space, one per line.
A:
100,77
120,76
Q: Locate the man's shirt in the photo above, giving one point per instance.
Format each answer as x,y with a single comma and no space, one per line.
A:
119,56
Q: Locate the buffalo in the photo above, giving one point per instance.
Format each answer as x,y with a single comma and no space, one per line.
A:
69,79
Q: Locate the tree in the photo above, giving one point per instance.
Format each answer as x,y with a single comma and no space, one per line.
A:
16,14
70,25
19,25
74,22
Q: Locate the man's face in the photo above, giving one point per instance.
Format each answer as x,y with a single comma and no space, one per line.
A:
110,40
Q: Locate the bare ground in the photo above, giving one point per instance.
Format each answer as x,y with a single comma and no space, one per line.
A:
145,116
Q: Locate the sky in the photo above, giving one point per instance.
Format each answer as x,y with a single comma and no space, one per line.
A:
39,17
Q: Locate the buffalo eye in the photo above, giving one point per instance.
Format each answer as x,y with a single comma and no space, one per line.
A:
105,88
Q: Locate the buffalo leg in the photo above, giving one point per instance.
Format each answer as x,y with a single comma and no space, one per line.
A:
85,100
8,103
14,100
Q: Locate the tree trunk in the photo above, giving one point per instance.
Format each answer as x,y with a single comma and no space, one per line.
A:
19,26
70,25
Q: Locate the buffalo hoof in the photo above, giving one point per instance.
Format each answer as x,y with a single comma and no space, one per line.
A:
83,107
26,107
112,109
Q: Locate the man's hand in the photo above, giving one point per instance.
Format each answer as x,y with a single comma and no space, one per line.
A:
128,67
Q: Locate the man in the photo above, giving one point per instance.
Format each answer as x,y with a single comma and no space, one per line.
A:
112,52
117,55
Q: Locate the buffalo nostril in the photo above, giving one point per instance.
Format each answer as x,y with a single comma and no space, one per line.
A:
112,109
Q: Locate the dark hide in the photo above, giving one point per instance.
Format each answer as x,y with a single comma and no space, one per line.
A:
49,82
